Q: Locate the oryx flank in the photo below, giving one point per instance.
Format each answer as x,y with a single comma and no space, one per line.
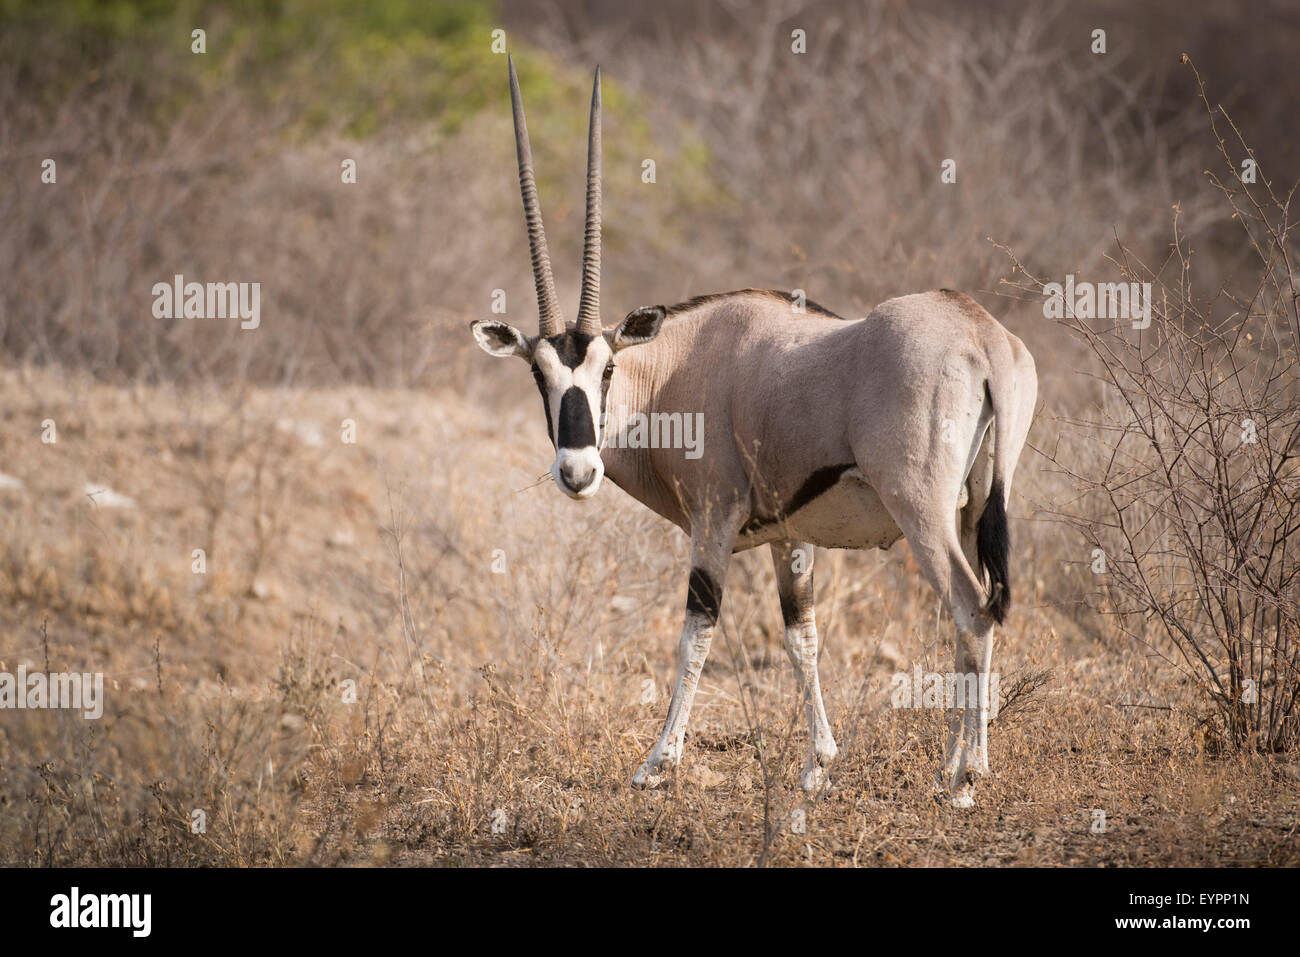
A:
818,431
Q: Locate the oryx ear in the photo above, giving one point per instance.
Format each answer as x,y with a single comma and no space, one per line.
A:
640,326
501,339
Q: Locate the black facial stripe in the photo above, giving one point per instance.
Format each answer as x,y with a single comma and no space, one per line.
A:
546,403
604,391
703,596
577,431
571,347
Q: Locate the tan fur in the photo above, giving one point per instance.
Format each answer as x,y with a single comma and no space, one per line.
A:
919,409
784,394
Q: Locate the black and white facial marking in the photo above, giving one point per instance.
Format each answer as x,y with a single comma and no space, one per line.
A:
573,371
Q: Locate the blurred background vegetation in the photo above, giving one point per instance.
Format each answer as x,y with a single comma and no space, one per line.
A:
227,165
816,171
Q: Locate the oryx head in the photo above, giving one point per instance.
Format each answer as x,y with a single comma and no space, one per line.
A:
574,365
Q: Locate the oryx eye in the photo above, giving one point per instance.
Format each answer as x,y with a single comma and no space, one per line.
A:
609,371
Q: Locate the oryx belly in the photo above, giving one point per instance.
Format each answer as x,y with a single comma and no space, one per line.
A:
848,514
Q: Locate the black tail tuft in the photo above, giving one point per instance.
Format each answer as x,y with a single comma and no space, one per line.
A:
992,547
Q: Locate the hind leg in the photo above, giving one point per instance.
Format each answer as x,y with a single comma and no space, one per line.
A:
965,758
933,536
793,562
966,754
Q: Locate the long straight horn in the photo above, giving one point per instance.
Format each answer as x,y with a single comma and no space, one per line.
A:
589,304
551,321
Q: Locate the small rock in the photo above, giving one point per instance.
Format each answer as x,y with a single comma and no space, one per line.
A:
261,590
104,497
341,538
304,430
704,776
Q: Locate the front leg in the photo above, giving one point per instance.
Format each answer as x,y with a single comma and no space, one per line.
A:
703,600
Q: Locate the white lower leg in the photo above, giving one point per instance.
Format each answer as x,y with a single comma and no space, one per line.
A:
793,563
967,756
801,645
692,651
988,702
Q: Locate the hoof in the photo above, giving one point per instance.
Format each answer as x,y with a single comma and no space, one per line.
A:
650,776
814,771
953,794
962,799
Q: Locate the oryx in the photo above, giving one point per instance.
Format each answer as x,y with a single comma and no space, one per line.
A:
818,431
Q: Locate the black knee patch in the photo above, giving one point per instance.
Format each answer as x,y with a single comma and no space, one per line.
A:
703,596
789,610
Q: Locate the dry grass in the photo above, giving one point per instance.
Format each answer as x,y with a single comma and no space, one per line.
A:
522,699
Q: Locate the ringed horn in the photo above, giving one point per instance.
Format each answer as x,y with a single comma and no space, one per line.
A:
550,319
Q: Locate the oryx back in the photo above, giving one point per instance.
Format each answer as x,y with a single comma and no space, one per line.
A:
808,417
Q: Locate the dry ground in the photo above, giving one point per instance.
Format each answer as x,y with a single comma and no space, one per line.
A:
500,711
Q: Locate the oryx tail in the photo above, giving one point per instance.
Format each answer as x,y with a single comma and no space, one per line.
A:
993,537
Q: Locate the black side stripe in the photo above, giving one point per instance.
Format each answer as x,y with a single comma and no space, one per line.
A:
815,485
571,347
